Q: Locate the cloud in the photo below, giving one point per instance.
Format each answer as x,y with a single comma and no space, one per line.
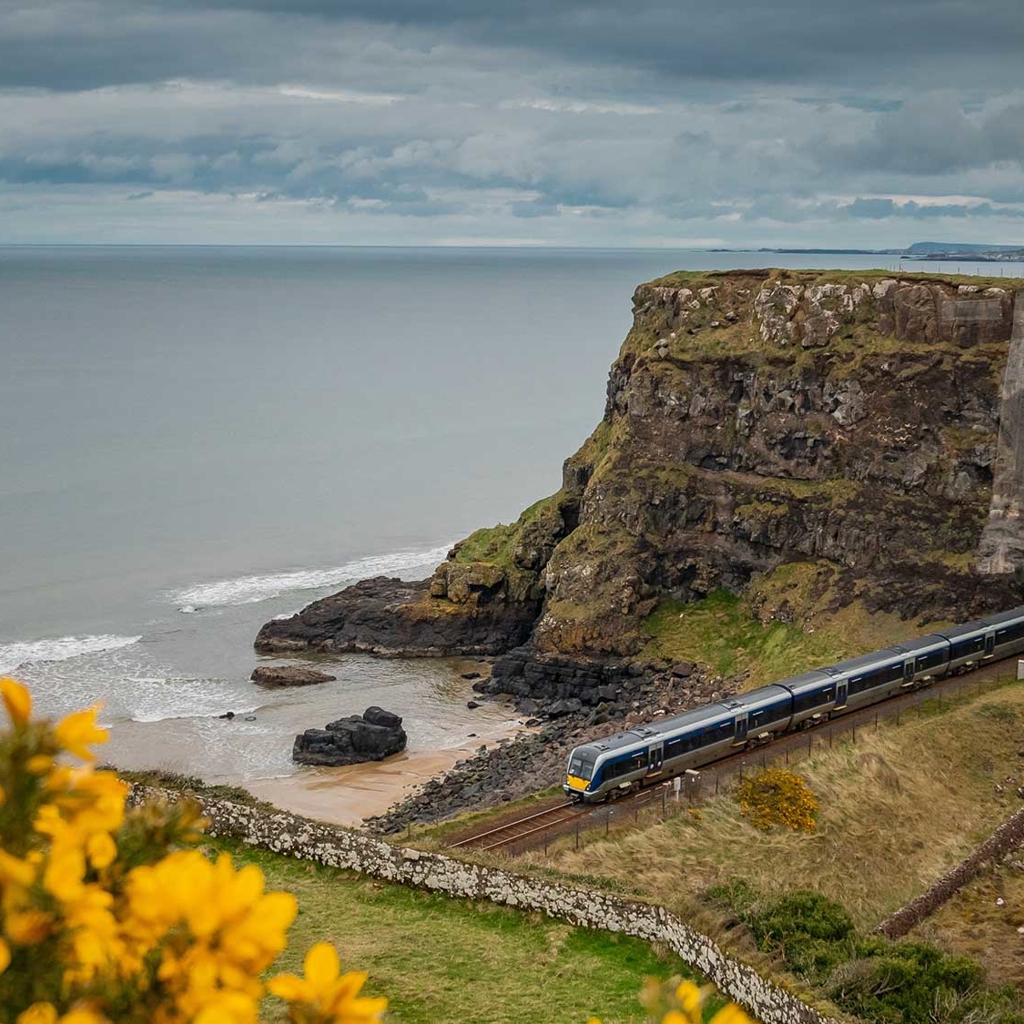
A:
595,122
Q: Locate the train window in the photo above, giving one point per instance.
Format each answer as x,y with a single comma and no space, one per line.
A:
1010,633
581,767
930,660
772,713
673,748
815,699
965,648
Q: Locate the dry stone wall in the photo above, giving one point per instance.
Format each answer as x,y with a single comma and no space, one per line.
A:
1009,836
292,836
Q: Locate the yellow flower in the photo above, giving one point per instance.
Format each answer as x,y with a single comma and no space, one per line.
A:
5,956
690,999
83,1015
730,1014
16,700
15,872
39,1013
27,927
75,732
328,992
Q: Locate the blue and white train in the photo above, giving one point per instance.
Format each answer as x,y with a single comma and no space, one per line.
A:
658,750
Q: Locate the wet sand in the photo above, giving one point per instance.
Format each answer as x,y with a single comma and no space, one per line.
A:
345,796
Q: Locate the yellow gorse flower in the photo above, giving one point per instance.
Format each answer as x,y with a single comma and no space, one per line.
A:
96,919
325,994
16,700
78,731
683,1002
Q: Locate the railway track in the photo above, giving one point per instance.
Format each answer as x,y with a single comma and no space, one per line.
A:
538,828
519,830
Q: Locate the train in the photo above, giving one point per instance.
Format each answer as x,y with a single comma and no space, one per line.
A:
660,749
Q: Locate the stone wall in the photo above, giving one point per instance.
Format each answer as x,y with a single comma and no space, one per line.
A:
1007,837
304,839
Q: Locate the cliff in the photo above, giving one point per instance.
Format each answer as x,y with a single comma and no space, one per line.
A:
833,433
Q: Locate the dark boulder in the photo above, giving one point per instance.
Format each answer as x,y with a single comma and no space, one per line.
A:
683,669
372,736
273,676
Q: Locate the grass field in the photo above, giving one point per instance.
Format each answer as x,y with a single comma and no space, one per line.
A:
721,633
456,962
897,809
974,922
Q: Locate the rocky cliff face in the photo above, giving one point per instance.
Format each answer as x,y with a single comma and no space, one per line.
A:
847,421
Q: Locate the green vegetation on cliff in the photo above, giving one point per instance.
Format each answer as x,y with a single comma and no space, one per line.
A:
496,545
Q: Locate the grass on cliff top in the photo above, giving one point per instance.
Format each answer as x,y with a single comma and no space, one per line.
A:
898,808
814,276
496,544
457,961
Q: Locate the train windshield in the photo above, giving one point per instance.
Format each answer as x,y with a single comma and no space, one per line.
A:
581,766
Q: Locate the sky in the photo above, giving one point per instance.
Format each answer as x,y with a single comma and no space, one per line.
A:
647,123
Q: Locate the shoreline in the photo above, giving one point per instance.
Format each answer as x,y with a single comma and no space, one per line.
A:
350,794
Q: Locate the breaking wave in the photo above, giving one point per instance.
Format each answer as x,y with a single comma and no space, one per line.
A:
250,589
14,655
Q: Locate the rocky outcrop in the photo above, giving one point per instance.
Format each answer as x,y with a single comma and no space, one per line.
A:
482,600
274,676
754,419
391,617
372,736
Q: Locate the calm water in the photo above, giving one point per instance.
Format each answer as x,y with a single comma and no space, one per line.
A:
193,440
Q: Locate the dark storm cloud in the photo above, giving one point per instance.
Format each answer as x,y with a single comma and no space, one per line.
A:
658,44
633,121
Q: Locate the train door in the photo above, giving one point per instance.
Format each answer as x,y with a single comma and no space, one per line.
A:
990,643
908,671
655,757
742,724
840,695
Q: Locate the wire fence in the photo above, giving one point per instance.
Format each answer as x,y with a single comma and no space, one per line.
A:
686,792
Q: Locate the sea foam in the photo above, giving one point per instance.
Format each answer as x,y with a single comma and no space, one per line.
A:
250,589
64,648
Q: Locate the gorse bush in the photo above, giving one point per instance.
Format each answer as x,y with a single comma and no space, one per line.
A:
777,796
111,916
107,915
875,979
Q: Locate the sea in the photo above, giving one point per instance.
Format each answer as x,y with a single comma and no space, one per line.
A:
194,440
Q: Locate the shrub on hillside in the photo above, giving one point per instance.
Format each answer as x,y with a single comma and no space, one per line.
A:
877,980
777,796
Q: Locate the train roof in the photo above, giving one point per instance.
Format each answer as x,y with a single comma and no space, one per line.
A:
920,644
752,700
1004,617
967,629
805,681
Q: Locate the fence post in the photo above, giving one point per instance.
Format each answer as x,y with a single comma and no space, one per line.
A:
577,834
853,729
607,820
664,799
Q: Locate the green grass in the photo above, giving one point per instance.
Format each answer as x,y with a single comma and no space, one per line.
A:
496,544
720,633
439,959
